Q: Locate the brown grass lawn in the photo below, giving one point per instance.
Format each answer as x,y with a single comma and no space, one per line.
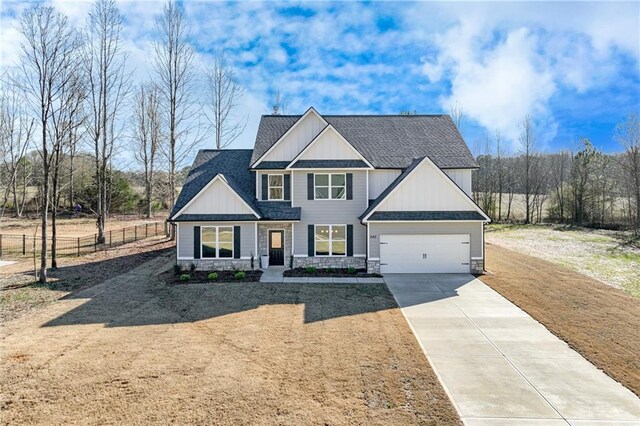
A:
599,321
69,227
134,350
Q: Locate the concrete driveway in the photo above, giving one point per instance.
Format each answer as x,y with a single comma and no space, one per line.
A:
498,364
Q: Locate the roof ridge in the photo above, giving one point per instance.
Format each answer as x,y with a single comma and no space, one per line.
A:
361,115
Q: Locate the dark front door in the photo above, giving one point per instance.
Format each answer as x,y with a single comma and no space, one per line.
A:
276,247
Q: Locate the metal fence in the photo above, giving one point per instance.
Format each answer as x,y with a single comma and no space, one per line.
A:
17,245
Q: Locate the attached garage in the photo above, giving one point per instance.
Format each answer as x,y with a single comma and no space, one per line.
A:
446,253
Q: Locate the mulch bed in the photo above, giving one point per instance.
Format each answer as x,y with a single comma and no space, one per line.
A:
202,277
601,322
337,273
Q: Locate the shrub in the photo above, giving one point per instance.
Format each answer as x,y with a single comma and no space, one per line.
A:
330,270
351,271
240,275
310,269
185,277
213,276
177,269
192,267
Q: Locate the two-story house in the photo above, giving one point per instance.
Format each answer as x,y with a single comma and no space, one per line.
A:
389,193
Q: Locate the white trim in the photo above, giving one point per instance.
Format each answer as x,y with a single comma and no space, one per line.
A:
178,241
241,258
346,243
367,185
293,238
425,221
482,239
359,255
255,237
368,241
271,148
328,168
447,178
317,138
374,258
222,179
300,255
275,187
477,258
329,187
291,191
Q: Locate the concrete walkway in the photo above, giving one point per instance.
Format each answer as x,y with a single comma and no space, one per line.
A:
499,365
274,274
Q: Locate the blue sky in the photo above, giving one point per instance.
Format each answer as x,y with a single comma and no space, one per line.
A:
573,67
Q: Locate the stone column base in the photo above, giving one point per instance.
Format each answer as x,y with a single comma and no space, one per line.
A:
373,266
477,266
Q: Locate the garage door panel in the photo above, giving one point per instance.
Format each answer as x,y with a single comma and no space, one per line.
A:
424,253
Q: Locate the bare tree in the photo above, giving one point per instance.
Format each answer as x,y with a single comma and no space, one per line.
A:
104,60
628,135
46,56
147,132
528,154
16,136
223,92
581,169
499,173
175,68
457,115
559,169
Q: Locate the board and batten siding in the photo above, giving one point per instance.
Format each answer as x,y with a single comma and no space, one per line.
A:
462,178
330,146
474,229
185,237
217,199
329,212
295,141
380,179
425,189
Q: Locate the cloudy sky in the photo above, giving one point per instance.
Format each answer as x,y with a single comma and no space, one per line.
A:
573,67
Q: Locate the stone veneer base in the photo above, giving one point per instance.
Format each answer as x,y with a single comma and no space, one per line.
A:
219,264
329,262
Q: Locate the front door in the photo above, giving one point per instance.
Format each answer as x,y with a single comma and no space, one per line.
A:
276,247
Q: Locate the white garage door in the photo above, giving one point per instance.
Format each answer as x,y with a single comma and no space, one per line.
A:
424,253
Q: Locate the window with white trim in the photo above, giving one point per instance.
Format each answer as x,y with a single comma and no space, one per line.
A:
331,240
276,187
330,186
216,241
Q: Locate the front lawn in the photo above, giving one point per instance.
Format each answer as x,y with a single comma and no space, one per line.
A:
133,350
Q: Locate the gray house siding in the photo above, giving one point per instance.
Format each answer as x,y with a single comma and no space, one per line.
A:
329,212
185,237
474,229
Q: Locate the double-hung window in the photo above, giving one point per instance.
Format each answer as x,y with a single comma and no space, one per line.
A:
330,186
276,187
217,241
331,240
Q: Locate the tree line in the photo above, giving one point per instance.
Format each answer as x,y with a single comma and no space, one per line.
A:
70,104
581,186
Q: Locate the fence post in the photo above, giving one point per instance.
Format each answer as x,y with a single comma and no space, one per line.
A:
24,240
95,243
156,233
146,234
78,246
110,238
135,233
0,245
123,235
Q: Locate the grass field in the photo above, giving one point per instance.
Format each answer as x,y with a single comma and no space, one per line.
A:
609,256
68,227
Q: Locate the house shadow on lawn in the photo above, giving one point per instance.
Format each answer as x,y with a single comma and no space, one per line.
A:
140,297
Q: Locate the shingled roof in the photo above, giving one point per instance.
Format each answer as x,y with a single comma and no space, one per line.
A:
386,141
232,163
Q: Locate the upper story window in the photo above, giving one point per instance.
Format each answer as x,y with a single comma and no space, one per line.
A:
330,186
276,187
217,241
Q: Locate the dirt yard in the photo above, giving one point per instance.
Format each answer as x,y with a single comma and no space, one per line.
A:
608,256
19,294
597,320
69,227
135,350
